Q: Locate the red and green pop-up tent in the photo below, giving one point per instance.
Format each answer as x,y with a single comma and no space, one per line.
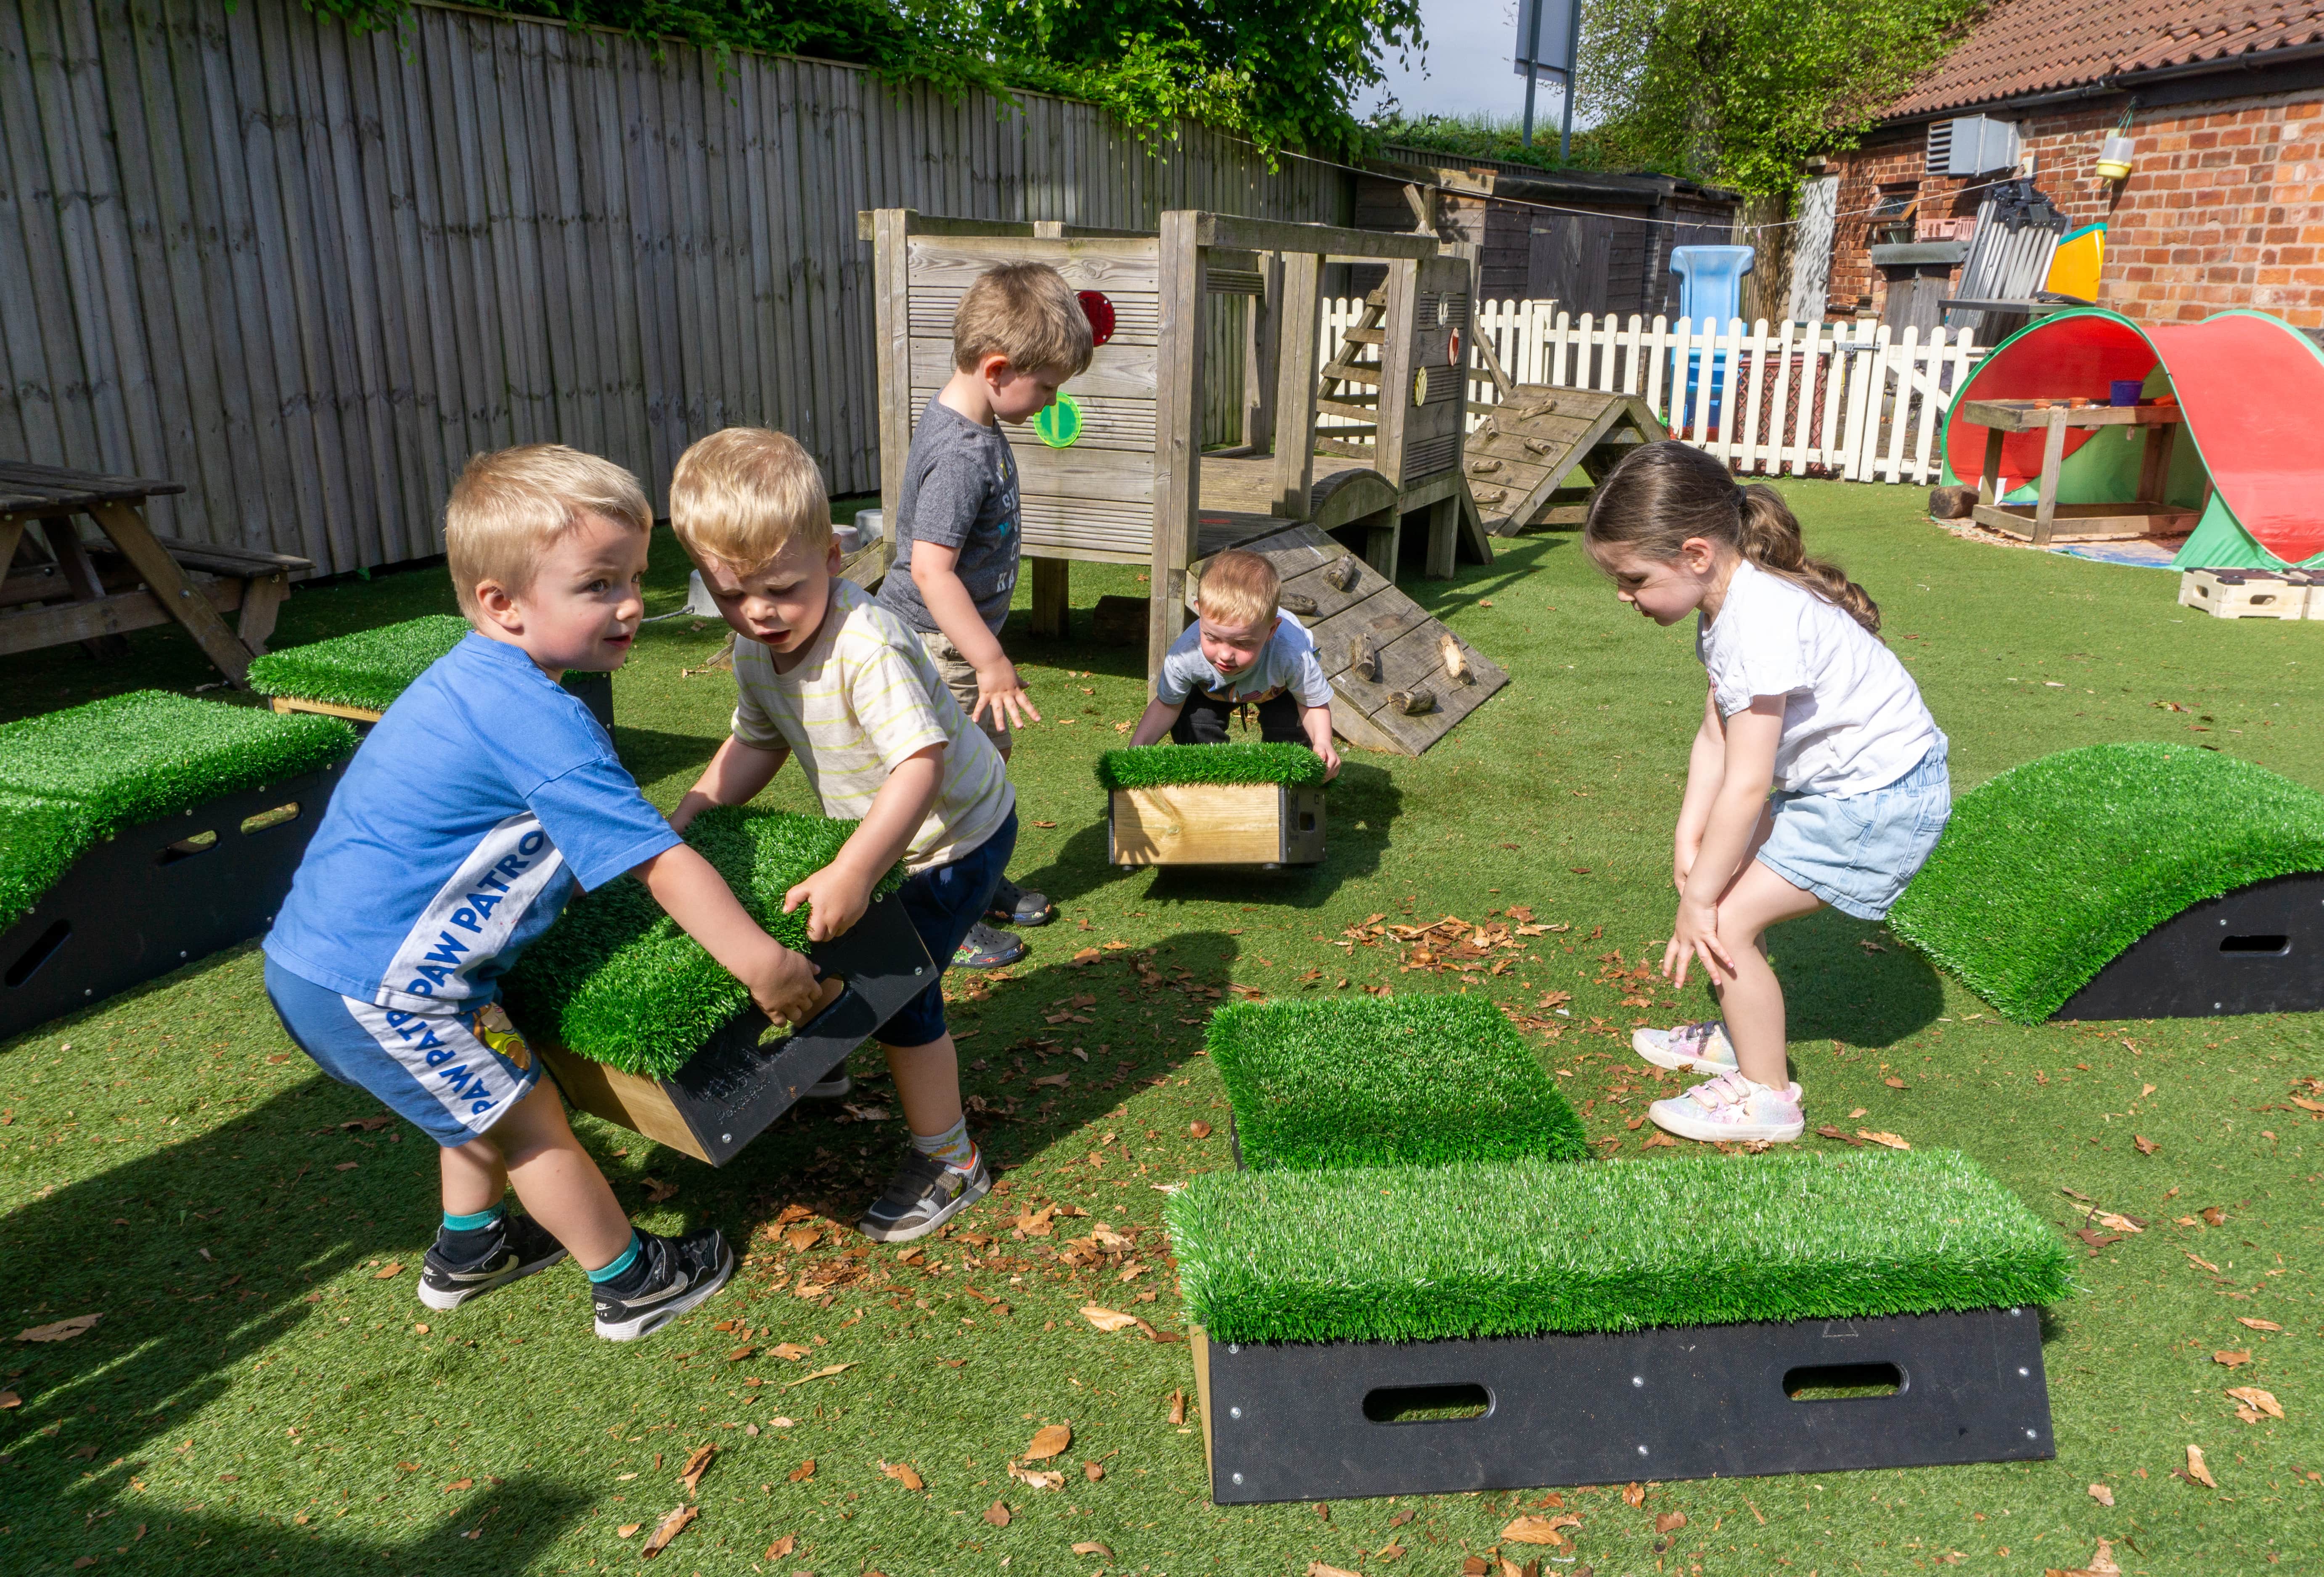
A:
2252,387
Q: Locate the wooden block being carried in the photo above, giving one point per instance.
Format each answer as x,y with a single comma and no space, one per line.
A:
1216,823
2245,594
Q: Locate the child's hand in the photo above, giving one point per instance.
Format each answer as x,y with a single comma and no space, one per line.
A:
838,898
1330,760
998,688
1695,935
786,987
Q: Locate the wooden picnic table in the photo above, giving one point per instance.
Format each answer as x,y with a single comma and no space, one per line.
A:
132,580
2048,521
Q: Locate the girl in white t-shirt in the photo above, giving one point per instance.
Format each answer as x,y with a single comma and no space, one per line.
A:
1818,776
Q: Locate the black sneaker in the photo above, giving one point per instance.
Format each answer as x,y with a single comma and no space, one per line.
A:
986,948
524,1247
680,1273
922,1197
1013,905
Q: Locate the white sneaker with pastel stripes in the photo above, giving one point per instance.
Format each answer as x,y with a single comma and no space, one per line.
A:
1731,1108
1691,1048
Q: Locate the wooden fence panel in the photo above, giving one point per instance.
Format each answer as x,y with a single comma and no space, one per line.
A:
308,272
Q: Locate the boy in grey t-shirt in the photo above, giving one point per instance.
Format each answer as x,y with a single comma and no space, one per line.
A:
1242,651
1019,333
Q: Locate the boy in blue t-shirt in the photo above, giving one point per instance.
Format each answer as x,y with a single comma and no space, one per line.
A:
483,800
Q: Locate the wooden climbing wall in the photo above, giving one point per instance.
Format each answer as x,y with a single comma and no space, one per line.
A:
1409,644
1529,450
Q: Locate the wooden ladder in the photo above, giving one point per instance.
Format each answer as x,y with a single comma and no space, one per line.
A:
1348,367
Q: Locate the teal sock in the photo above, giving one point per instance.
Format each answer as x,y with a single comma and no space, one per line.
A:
476,1222
627,1257
953,1146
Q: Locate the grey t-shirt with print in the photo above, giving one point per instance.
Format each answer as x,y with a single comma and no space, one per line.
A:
960,491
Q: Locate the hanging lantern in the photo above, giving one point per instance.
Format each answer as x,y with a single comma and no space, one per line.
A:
2115,158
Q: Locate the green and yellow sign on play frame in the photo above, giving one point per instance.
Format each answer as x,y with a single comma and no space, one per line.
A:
1059,422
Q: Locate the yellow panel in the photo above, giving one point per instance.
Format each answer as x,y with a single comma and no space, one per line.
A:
2075,266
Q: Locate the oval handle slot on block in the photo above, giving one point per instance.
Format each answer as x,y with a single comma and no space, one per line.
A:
280,815
43,948
1843,1382
187,848
1427,1404
2262,945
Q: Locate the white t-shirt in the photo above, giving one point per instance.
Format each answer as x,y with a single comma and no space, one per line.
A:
1286,662
1853,719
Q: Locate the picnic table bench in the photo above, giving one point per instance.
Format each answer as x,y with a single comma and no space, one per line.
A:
132,580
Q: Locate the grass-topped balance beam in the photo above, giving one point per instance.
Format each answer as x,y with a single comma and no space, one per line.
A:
358,677
144,831
1213,805
642,1027
2128,881
1416,1283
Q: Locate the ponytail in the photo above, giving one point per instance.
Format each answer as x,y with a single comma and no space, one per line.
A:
1663,494
1769,537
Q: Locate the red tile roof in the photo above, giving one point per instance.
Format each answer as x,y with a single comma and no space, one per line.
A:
2023,47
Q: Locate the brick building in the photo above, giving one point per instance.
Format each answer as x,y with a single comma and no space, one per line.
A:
2225,203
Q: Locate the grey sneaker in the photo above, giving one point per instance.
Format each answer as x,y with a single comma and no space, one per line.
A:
986,948
922,1197
1013,905
830,1089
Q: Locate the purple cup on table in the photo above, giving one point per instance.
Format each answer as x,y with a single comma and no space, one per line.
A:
2124,390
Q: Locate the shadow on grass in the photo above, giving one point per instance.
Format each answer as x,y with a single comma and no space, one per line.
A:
1837,988
1361,806
651,755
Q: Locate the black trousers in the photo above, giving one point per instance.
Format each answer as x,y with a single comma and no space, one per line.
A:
1206,720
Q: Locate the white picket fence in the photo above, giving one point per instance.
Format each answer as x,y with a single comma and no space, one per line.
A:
1845,400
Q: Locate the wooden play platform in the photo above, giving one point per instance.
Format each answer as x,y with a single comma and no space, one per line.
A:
1522,463
2047,520
1126,481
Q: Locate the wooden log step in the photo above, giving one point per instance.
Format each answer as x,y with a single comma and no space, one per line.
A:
1360,409
1354,373
1364,336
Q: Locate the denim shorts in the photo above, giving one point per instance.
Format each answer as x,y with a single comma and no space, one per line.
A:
941,903
452,1075
1855,851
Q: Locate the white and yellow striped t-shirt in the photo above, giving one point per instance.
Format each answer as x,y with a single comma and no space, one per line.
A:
862,698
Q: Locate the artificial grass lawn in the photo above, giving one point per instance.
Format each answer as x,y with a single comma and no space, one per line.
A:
617,980
368,668
1368,1082
82,773
2049,870
168,1117
1166,766
1526,1248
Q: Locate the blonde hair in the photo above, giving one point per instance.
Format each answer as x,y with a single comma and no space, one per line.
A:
745,494
1241,588
1024,311
1663,494
509,505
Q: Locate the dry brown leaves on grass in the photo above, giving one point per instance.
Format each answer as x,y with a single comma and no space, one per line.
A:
2197,1470
2255,1401
1634,1493
904,1474
1047,1441
65,1329
803,1472
1177,1405
1539,1530
671,1527
997,1514
2233,1358
1670,1522
1092,1547
696,1466
1036,1478
2257,1325
2101,1494
2102,1564
782,1546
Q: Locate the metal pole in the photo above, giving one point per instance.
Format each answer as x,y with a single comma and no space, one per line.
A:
1532,71
1572,68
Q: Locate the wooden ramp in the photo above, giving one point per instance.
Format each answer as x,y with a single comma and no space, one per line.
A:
1408,642
1522,462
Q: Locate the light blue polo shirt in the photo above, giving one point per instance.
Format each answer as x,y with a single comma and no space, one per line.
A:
480,802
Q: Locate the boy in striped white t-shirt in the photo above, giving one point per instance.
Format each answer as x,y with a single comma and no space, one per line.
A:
826,673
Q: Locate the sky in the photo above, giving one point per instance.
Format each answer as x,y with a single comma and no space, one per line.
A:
1468,68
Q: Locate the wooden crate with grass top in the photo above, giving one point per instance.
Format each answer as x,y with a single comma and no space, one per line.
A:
143,832
1404,1330
2249,593
358,677
1213,805
640,1027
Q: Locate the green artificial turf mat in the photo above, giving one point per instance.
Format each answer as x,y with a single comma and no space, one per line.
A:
133,758
1377,1082
1521,1248
1164,766
619,982
369,668
2048,871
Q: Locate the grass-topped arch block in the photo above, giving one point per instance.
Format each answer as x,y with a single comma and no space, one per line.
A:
1374,1082
144,831
358,677
1213,805
2128,881
642,1027
1508,1325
